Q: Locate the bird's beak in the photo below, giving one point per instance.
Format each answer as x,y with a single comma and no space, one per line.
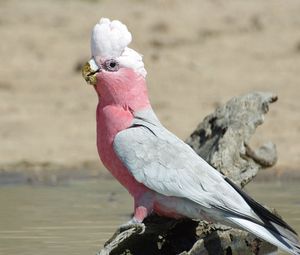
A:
89,71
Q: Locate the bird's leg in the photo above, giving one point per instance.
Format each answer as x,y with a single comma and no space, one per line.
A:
140,213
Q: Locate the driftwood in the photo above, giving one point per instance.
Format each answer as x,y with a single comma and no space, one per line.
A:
222,139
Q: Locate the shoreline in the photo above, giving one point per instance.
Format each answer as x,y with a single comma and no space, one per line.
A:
49,173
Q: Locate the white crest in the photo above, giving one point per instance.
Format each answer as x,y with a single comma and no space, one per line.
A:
110,40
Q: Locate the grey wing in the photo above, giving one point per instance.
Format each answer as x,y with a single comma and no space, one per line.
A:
165,164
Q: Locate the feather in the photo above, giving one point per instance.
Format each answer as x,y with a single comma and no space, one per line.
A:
109,40
165,164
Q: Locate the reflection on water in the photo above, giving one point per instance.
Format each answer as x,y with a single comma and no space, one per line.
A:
79,217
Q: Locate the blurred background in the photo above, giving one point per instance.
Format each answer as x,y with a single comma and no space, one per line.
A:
198,55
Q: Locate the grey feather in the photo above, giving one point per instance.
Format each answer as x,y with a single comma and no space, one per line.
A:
167,165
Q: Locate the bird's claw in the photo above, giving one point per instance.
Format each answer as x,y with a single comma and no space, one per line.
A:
136,227
140,227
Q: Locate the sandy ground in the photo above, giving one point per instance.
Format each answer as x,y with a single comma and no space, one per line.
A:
198,54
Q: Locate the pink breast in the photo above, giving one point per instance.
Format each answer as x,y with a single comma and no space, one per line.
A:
111,120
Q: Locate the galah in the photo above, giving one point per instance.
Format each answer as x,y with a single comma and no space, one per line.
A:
162,173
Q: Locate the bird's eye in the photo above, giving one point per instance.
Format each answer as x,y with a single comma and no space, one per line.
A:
111,65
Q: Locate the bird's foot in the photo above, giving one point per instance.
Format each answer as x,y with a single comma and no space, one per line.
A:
126,230
133,223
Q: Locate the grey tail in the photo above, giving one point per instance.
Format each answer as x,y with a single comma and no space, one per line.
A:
284,233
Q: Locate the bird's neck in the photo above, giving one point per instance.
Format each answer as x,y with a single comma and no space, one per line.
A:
124,88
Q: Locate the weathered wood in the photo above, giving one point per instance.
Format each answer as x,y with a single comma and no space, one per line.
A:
222,139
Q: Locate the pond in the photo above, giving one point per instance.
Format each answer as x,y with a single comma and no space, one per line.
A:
78,217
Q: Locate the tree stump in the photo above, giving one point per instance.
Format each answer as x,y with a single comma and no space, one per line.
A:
222,139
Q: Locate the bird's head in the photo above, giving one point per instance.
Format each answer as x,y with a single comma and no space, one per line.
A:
116,71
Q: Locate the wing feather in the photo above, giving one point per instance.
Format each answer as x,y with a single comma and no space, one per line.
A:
165,164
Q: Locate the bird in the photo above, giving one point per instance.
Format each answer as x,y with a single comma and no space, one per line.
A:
162,173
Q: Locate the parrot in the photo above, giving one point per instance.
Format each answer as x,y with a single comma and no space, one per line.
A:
161,172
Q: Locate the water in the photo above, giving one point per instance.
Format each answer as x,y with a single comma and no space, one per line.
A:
79,217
